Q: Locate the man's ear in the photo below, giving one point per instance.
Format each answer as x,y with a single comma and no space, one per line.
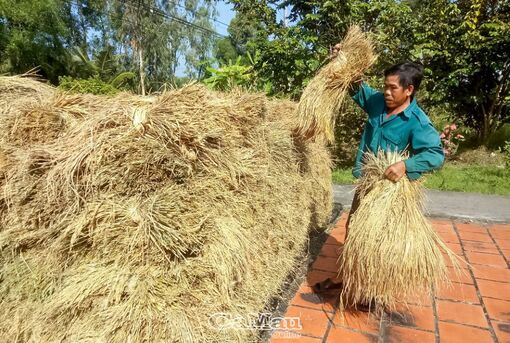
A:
409,90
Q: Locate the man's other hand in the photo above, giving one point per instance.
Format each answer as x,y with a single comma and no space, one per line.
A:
396,171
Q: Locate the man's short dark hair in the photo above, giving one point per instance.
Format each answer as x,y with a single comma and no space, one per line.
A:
409,73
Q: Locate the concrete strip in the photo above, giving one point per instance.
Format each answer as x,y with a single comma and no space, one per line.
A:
457,205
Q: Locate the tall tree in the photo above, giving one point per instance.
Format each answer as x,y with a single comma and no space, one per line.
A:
241,41
243,31
200,37
38,33
224,51
102,38
469,66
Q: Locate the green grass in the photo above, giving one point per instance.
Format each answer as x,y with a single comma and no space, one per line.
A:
455,177
343,177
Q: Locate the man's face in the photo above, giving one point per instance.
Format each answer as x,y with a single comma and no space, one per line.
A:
394,94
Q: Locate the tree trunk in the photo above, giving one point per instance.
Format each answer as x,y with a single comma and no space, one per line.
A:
491,120
141,69
484,132
491,115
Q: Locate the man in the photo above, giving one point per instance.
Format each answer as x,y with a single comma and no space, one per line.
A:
395,122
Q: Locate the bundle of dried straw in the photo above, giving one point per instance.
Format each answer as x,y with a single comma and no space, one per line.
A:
391,254
323,97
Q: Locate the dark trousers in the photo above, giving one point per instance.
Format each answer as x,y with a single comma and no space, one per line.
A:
354,207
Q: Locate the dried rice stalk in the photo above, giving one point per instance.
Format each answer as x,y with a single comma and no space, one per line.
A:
18,88
323,97
391,252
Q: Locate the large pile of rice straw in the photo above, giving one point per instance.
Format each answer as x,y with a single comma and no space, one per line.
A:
322,99
130,219
391,254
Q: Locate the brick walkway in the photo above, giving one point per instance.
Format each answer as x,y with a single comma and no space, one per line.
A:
475,309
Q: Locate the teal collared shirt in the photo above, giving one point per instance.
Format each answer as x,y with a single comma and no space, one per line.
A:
410,129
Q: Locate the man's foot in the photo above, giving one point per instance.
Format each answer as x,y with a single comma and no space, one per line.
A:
326,285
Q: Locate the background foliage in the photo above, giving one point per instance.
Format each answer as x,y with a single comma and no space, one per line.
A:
462,44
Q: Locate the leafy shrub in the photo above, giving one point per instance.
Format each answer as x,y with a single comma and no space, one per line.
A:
499,138
229,76
92,85
506,153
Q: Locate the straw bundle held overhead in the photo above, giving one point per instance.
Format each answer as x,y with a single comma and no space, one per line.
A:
136,220
323,97
391,252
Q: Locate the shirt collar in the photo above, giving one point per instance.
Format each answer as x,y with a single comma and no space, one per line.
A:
409,109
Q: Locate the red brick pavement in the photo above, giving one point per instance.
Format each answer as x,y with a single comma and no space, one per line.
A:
475,309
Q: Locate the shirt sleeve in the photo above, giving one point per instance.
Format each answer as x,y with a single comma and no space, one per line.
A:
364,95
427,152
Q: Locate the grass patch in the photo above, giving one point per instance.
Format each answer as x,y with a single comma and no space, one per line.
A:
474,178
343,177
455,177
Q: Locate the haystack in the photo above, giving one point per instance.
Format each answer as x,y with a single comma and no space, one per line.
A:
128,219
323,98
391,254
